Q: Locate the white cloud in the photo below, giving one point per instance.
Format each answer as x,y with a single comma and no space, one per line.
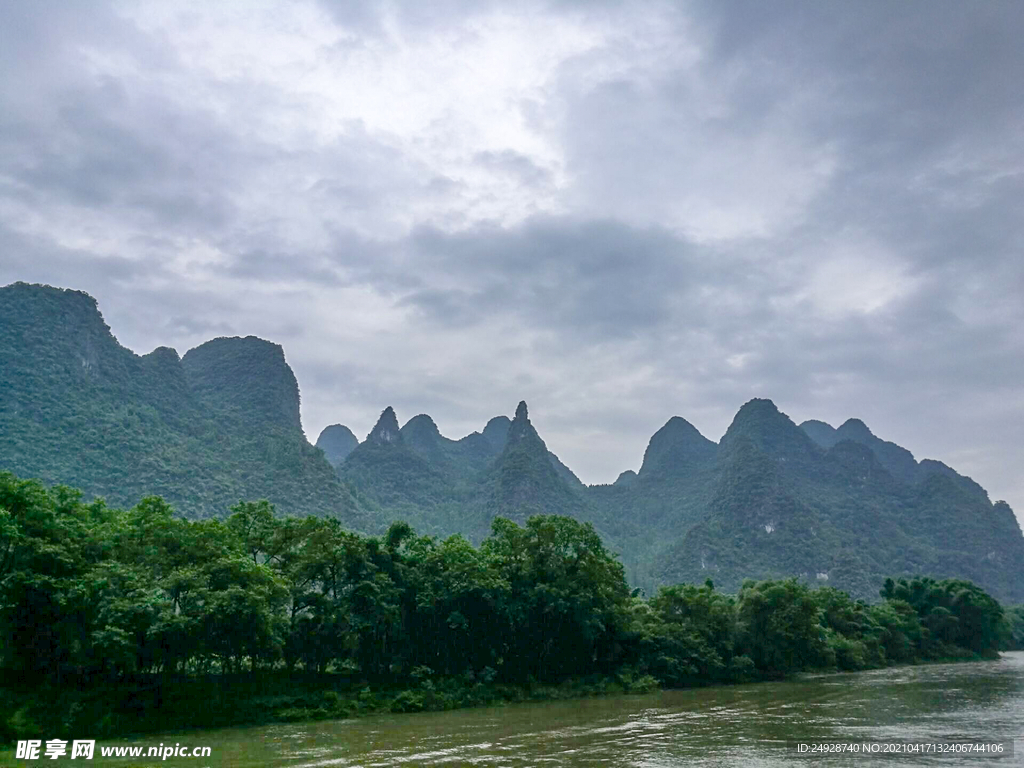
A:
856,277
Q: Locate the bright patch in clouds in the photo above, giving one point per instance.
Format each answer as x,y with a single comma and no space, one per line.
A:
439,98
857,280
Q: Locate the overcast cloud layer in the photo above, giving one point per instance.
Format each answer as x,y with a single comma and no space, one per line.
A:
618,212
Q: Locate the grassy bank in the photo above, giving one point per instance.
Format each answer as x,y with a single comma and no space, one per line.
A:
154,705
151,705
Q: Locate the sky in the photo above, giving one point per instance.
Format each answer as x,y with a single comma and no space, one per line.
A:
619,212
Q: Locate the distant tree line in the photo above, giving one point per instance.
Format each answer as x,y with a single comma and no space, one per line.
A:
96,596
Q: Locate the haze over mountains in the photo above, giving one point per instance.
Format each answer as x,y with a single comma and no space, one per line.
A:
831,505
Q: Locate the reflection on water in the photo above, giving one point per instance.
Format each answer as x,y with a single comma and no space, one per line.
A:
756,725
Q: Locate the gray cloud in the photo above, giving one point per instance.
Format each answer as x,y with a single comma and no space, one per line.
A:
517,165
48,262
620,212
595,278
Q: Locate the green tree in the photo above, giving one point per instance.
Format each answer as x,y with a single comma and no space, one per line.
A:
852,633
567,597
954,612
780,627
688,635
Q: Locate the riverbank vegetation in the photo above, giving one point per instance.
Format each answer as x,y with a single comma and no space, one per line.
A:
1015,626
116,621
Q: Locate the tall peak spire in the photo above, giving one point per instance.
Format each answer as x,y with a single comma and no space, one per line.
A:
675,448
386,431
521,429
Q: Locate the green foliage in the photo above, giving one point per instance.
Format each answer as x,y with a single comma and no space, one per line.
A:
954,613
780,627
222,424
686,635
901,634
847,513
203,432
564,604
1013,635
854,634
110,619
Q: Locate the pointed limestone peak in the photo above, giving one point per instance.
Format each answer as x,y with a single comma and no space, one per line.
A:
757,408
422,423
526,479
337,441
679,429
163,356
521,430
674,447
626,478
854,429
768,429
386,431
898,461
421,432
748,419
758,415
496,432
821,432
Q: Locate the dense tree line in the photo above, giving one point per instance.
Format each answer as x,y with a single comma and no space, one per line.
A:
91,595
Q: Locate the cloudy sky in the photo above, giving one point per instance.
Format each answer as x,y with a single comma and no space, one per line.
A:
618,212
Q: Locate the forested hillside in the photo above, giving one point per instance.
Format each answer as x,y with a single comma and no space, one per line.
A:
837,507
203,432
768,501
117,621
843,513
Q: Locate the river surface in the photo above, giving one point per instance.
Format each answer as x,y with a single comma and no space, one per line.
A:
744,725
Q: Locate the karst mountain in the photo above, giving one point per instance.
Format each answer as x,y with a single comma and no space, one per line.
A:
836,506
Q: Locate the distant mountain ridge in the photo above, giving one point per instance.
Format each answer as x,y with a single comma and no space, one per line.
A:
772,499
831,505
839,507
446,486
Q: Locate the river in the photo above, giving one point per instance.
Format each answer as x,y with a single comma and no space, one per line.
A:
744,725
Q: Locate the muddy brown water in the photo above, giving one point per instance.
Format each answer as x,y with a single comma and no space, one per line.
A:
747,725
